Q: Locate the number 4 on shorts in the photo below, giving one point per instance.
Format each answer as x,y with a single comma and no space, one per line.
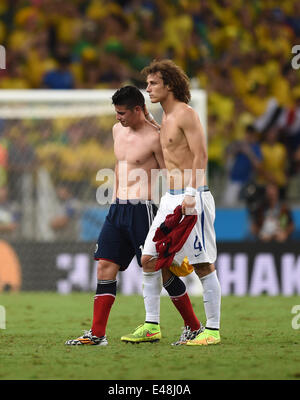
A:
197,246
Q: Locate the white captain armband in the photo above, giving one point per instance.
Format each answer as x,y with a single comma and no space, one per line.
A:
190,191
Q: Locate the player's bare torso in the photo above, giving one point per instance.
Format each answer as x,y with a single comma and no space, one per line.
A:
177,154
134,151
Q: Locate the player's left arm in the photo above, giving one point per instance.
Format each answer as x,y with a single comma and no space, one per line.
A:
194,134
157,149
150,118
158,155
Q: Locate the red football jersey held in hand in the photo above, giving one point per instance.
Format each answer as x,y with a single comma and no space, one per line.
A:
171,236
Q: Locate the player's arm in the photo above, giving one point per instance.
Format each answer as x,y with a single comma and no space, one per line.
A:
150,118
157,151
194,134
158,155
116,181
193,131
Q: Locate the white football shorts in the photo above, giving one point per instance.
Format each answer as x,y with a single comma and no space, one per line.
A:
200,246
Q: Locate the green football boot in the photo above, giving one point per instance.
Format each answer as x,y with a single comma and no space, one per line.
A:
144,333
207,337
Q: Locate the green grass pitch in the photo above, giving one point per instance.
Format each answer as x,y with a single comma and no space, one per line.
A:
258,341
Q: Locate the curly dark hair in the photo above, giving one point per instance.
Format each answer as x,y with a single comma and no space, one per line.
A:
173,76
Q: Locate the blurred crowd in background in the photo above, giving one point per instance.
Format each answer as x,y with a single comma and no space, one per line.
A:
239,52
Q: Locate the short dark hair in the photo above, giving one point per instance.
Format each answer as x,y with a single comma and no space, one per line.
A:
129,96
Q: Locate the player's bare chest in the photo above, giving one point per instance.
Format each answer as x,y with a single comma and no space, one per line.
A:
171,134
132,148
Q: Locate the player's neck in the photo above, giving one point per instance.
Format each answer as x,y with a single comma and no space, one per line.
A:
138,124
168,104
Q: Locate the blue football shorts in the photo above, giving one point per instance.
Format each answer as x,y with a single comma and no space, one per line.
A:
124,231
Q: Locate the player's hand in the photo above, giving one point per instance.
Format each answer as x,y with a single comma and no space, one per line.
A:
188,205
146,112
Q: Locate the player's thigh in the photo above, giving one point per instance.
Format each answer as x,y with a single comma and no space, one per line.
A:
140,224
114,246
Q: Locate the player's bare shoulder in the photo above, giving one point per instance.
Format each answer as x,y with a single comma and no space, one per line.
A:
116,129
152,133
185,115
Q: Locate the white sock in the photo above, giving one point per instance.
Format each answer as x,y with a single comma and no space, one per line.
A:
152,286
212,299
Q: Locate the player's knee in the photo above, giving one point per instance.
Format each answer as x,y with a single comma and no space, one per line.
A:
148,263
203,269
106,270
166,274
